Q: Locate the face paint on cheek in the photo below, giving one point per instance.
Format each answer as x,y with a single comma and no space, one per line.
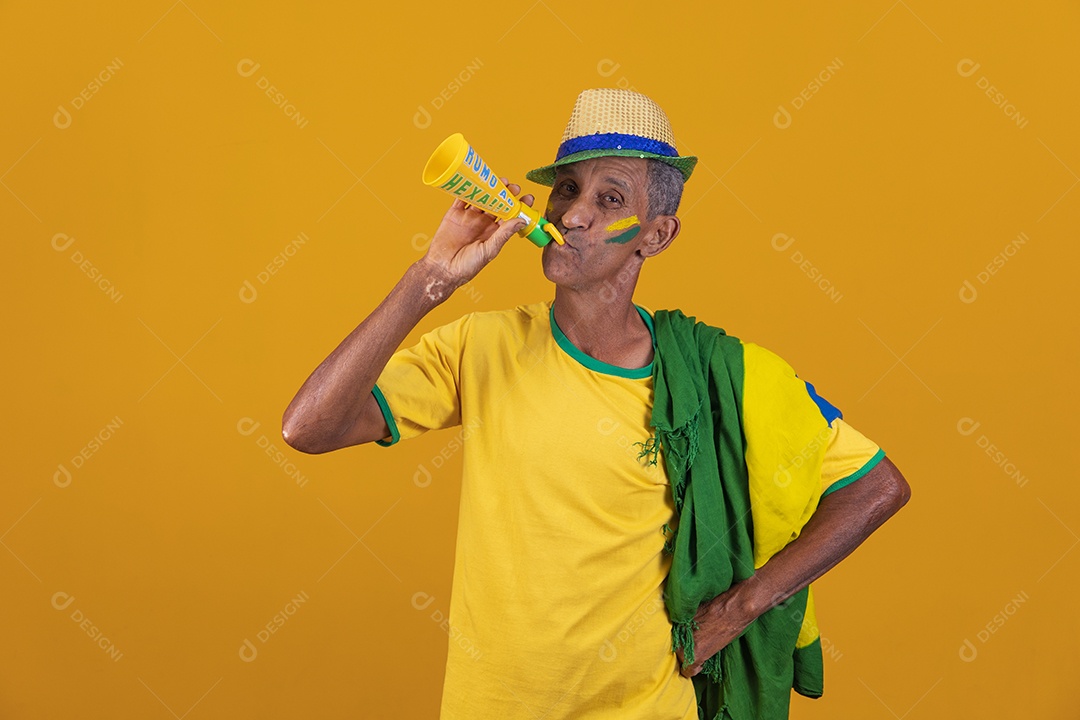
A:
627,236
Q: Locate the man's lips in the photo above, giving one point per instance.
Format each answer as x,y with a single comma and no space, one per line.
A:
566,241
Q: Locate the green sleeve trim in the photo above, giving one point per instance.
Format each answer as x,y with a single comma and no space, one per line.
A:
867,467
597,365
389,416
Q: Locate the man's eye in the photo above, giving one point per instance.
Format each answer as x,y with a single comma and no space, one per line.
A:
611,199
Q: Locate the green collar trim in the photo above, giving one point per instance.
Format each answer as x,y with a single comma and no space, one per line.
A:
597,365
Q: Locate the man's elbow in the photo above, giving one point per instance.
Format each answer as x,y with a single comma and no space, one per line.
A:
895,489
903,492
315,437
292,432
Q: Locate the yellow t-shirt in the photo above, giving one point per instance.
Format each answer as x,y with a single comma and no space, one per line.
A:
557,606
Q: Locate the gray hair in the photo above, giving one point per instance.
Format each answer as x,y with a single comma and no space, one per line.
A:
665,186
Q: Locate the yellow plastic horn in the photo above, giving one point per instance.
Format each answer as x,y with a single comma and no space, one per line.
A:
456,168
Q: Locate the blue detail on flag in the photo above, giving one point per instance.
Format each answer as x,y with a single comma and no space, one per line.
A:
829,411
611,140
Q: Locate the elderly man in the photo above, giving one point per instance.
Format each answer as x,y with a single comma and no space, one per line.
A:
590,580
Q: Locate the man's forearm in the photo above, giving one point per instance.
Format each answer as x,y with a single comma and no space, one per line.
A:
331,400
842,521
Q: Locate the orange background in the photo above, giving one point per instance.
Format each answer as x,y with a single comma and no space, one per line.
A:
179,180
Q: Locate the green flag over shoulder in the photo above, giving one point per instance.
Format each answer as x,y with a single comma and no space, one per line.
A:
743,440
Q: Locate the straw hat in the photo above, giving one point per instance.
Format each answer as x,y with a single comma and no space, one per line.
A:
610,121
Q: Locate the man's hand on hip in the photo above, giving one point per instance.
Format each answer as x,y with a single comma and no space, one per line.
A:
720,621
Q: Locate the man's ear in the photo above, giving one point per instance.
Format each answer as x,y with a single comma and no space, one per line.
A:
665,230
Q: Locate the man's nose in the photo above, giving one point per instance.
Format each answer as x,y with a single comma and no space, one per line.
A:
578,214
